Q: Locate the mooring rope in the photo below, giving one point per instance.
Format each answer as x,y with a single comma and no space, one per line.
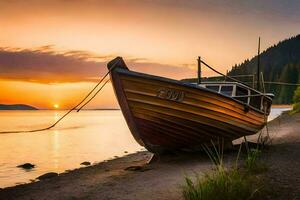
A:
96,86
93,95
69,111
252,95
275,83
282,83
236,80
260,137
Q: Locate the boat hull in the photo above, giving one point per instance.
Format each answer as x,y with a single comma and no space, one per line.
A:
165,114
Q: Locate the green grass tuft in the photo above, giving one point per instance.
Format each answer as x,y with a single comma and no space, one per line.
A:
252,164
251,159
296,108
221,185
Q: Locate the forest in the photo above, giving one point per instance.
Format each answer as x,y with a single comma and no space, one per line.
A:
279,63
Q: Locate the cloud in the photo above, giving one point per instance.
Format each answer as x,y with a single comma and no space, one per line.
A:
45,65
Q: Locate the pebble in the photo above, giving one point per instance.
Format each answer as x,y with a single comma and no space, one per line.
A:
133,168
26,166
47,175
137,168
86,163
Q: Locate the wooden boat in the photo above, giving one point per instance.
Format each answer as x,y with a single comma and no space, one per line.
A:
165,114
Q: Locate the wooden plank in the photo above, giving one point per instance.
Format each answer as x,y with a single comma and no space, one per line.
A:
204,113
192,90
230,128
205,107
184,126
133,85
196,118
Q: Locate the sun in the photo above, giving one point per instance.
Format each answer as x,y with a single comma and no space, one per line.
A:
56,106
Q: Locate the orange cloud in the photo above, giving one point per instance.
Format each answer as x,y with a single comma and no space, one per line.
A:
44,65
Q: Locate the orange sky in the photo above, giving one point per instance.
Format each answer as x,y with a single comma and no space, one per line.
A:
171,33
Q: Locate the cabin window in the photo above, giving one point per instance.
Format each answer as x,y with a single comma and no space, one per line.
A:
241,92
227,90
213,87
255,100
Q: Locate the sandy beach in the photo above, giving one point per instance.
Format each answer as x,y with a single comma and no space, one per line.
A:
130,177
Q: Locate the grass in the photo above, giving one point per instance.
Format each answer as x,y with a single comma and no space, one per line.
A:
221,185
296,100
226,184
252,164
296,108
251,159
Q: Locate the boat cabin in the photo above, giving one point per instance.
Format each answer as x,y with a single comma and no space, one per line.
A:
246,95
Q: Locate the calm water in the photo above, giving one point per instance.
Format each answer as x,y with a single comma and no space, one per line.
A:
91,136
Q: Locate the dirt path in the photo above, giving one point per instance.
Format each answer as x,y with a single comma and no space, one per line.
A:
283,157
163,179
284,170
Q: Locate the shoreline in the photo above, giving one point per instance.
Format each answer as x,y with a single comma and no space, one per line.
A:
282,106
130,177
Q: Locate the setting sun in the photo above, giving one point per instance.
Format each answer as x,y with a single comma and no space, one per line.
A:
56,106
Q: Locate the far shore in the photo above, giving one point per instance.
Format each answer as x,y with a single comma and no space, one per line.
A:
66,109
131,177
282,106
99,109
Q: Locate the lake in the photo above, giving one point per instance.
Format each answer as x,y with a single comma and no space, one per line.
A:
92,136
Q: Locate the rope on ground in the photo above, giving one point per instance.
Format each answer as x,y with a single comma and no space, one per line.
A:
69,111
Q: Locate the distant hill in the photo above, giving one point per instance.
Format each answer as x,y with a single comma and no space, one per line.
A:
279,63
16,107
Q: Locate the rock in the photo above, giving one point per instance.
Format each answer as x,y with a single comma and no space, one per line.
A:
47,175
20,183
125,151
86,163
26,166
137,168
133,168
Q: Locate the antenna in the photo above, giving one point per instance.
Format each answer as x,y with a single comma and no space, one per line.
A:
258,67
199,70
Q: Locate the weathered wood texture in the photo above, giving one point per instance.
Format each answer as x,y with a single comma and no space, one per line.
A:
165,114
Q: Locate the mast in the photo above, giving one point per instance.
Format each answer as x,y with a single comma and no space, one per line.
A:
258,67
199,70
